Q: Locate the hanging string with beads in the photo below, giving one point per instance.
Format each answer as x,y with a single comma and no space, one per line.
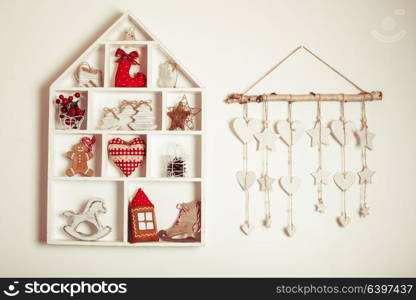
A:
320,175
364,159
343,160
290,229
266,178
365,175
245,170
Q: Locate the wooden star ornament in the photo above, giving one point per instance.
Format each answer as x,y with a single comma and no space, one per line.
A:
366,138
320,176
365,175
320,207
182,115
267,140
266,183
318,134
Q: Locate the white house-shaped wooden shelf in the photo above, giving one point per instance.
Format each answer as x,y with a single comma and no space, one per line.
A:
69,193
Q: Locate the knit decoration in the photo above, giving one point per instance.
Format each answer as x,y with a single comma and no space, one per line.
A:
126,155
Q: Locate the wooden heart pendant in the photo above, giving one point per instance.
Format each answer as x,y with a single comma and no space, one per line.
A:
126,155
245,130
344,180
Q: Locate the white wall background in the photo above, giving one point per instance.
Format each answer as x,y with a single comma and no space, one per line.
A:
227,44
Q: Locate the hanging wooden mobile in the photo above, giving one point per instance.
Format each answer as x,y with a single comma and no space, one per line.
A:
290,132
366,142
267,142
342,131
319,136
245,128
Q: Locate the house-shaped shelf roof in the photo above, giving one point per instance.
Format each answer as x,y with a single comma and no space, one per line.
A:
101,55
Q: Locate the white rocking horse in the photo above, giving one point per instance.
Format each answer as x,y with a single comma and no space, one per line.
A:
90,213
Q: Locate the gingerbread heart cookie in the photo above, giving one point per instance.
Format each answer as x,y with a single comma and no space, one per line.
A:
126,155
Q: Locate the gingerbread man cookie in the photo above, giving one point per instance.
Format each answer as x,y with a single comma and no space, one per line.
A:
79,156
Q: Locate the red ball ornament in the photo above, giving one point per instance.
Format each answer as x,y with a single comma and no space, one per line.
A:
61,97
61,116
77,95
67,121
70,98
57,101
72,112
63,109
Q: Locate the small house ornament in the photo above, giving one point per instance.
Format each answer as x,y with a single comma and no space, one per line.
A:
142,219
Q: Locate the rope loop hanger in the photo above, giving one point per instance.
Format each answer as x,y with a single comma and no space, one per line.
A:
363,95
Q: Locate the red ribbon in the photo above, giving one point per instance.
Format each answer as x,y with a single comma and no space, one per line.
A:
131,57
88,142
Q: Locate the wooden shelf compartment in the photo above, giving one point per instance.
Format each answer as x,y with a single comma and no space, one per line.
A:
72,195
98,100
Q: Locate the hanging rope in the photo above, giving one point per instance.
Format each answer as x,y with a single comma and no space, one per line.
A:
287,57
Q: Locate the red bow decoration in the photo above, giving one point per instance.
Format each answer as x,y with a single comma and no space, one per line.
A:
131,57
88,142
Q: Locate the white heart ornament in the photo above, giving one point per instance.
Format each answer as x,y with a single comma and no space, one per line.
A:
283,128
338,131
290,230
344,180
246,228
245,179
343,221
290,186
245,130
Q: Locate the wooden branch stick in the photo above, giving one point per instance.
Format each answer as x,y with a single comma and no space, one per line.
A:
242,99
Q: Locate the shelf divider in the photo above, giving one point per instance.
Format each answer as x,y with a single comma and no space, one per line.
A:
106,79
148,155
125,211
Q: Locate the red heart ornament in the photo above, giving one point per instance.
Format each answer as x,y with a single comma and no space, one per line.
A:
126,155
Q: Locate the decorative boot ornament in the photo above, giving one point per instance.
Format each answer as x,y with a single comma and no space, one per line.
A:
123,78
188,224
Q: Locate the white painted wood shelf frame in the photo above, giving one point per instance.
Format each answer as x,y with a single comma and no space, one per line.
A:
69,193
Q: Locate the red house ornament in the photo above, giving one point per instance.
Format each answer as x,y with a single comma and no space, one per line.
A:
125,61
142,219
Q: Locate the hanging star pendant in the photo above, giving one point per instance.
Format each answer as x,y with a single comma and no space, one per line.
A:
320,176
267,140
366,175
320,207
364,211
314,134
266,182
366,142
